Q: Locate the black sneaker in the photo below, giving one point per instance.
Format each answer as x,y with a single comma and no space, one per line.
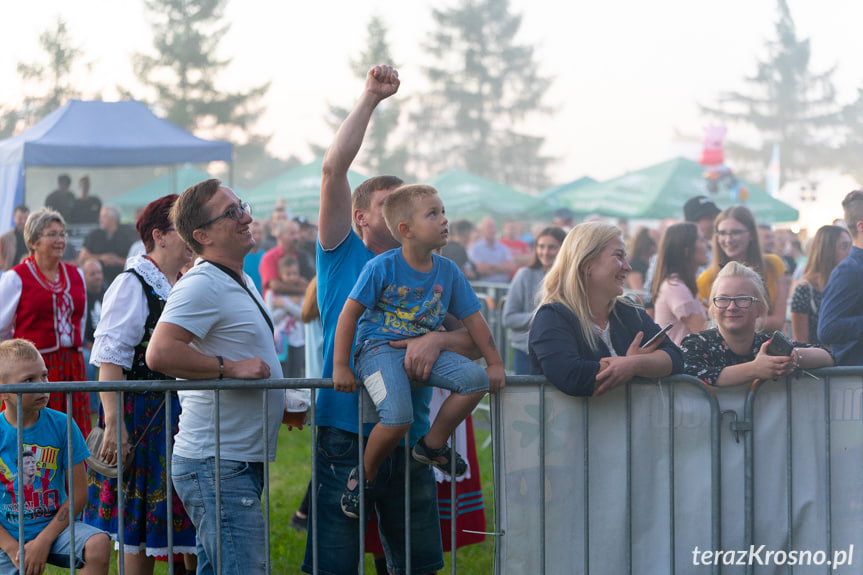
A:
422,453
350,500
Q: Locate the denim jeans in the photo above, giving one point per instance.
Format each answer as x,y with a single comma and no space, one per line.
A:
59,553
381,367
243,548
338,535
520,362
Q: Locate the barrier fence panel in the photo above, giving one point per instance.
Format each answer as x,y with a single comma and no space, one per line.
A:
626,483
805,473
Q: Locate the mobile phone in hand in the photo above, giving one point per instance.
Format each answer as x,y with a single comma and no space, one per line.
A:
779,344
658,335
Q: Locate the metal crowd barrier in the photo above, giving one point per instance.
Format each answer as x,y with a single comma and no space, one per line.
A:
670,476
643,479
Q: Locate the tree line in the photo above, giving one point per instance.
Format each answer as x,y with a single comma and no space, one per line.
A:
483,87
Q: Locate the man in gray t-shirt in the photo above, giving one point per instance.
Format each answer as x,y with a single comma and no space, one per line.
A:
215,326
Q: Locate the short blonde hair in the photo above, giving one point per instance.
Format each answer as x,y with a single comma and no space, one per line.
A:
566,281
13,351
738,270
36,223
401,205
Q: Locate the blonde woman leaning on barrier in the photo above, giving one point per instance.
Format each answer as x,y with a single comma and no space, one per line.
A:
584,338
734,352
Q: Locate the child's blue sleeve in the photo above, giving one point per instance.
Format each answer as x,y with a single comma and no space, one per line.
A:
80,452
367,288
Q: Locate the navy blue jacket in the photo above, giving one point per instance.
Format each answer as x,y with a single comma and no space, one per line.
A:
559,351
840,323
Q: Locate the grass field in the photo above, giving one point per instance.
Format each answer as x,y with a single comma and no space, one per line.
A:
288,479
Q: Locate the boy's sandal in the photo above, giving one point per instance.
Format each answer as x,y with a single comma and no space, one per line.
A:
422,453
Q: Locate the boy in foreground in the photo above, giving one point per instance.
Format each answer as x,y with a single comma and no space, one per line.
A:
46,507
400,294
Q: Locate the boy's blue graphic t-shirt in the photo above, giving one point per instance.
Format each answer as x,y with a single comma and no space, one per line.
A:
402,302
44,471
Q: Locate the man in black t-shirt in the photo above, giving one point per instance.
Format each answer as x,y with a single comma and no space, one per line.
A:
109,243
62,199
87,207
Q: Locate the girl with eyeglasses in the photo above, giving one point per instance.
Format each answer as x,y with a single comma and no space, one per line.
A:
736,240
735,351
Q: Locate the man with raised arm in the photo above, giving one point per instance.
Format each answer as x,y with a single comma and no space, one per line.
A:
342,251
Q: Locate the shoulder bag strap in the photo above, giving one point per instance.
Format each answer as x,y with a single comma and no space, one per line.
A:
233,275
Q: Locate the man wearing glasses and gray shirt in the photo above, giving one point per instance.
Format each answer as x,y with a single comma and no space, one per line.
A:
215,326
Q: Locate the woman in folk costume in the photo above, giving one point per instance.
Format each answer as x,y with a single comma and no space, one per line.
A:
130,310
43,299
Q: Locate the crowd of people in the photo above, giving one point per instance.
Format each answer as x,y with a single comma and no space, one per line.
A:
378,292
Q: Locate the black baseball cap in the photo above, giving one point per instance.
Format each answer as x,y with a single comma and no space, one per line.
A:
700,207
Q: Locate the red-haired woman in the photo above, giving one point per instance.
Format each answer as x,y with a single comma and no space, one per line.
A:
130,310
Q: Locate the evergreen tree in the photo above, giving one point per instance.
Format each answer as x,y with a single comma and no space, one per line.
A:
49,78
786,103
483,86
183,73
381,153
184,69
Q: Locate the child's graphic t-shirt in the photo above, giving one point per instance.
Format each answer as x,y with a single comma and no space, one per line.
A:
45,458
402,302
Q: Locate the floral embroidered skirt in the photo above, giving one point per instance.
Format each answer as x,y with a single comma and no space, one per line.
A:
145,505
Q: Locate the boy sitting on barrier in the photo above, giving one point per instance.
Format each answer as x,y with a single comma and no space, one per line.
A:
400,294
46,508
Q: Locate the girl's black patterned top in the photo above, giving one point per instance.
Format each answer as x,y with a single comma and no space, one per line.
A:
706,354
802,302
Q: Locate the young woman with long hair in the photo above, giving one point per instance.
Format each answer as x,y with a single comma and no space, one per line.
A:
521,300
674,292
831,245
736,239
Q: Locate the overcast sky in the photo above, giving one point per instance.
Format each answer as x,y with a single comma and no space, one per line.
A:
629,74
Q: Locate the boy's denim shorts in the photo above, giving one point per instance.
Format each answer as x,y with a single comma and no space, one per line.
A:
59,553
381,368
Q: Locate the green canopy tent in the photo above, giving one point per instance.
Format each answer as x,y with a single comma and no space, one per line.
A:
659,192
170,183
549,196
472,197
553,192
299,187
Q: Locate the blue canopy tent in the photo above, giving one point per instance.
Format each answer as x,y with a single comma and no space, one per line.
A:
98,134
